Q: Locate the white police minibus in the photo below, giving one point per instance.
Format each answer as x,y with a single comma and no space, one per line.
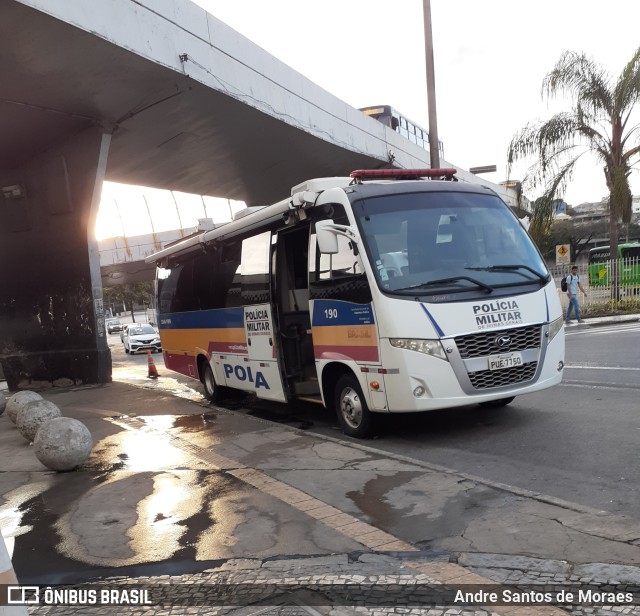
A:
388,291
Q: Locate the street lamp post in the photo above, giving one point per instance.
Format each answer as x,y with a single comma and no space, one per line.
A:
434,153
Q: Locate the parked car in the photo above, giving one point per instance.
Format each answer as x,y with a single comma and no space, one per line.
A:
141,337
114,325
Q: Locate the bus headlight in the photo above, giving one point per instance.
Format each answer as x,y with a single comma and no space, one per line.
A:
429,347
555,327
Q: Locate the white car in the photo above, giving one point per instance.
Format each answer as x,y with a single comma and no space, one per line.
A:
124,329
141,337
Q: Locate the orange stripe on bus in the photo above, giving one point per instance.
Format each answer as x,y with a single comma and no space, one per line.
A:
345,335
191,339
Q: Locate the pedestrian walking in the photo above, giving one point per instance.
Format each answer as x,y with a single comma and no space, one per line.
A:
573,284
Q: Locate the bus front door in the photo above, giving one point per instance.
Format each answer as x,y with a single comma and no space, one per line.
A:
262,369
258,370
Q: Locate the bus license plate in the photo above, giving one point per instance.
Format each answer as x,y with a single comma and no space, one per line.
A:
504,360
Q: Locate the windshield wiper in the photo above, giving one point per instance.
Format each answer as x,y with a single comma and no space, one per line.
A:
430,283
497,268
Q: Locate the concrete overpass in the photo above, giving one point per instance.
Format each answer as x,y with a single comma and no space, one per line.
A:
143,92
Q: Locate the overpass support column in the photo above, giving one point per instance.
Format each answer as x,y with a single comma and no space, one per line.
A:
51,312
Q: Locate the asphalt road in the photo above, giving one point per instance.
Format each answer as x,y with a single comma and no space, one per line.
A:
577,441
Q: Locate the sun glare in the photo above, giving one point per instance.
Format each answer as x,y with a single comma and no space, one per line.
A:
128,211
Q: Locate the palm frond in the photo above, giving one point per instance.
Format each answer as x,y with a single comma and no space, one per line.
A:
543,213
627,89
629,154
537,139
580,77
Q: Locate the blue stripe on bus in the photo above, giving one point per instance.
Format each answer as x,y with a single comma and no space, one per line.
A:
203,319
331,312
546,301
433,321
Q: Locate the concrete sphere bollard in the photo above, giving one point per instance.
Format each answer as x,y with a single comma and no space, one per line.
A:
19,400
3,403
33,415
62,443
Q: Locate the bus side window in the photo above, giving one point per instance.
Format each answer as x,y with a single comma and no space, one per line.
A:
255,268
167,284
184,300
229,277
204,266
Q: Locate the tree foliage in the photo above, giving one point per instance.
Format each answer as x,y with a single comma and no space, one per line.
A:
576,234
129,295
599,122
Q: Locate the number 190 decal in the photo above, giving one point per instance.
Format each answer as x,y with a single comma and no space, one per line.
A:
331,313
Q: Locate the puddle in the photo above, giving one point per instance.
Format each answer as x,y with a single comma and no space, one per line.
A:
133,375
195,423
132,519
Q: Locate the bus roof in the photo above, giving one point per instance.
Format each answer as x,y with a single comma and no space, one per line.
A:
623,245
304,195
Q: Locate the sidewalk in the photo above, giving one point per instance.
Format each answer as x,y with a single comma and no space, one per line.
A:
179,495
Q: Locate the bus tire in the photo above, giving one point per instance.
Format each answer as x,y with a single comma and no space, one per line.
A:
496,404
211,388
354,415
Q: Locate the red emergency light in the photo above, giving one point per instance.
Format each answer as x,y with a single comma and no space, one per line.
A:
402,174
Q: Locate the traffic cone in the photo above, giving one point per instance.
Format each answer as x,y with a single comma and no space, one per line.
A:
153,372
8,577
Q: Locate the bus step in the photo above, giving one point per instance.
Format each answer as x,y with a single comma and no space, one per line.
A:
309,373
315,399
305,387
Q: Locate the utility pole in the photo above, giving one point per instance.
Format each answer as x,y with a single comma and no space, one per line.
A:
434,152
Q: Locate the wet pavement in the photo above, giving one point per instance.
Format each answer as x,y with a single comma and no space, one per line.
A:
187,498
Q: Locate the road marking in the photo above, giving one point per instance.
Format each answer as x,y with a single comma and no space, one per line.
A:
590,367
593,330
596,385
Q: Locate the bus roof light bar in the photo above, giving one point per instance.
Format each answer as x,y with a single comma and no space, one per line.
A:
402,174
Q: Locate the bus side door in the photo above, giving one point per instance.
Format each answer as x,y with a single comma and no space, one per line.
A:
261,363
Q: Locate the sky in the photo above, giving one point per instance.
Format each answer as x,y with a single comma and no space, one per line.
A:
138,210
490,59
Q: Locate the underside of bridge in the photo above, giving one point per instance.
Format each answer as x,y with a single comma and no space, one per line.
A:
76,109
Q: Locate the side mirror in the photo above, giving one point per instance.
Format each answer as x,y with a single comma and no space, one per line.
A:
327,238
327,234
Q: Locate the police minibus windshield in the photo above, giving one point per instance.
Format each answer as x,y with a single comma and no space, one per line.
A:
447,242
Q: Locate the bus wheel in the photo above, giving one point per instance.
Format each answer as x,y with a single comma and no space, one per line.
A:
496,404
211,388
354,416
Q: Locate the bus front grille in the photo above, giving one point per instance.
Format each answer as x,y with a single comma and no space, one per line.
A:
486,343
487,379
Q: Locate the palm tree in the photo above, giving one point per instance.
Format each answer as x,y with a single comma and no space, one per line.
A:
599,122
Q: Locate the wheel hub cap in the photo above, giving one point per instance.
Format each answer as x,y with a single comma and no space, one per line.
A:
350,407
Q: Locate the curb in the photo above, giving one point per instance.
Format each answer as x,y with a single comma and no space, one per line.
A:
611,320
603,321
